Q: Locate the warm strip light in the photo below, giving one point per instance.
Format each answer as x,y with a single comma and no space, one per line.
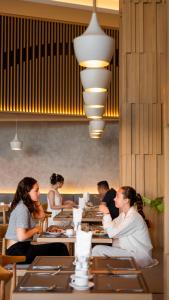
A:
104,4
94,64
95,90
95,117
95,106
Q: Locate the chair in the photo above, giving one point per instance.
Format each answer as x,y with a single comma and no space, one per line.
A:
3,229
5,275
4,278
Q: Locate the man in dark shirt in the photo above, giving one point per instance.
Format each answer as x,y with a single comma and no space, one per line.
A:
107,196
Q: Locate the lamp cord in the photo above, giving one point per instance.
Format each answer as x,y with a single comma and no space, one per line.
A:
94,6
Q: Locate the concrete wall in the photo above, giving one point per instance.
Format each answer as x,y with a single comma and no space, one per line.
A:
59,147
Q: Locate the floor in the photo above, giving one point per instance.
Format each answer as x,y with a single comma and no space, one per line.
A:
154,276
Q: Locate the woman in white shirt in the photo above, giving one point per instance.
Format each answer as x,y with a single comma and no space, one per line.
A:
129,230
54,198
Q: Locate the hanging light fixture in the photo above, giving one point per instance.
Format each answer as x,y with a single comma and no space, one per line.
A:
95,99
15,143
94,49
95,80
94,112
96,126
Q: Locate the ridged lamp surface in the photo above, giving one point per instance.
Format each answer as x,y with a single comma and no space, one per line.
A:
95,80
94,112
93,49
16,144
96,126
94,99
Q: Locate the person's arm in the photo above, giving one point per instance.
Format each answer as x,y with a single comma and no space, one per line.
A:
24,234
23,221
118,227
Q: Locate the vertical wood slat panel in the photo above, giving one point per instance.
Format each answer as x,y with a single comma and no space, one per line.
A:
5,72
135,129
11,70
132,77
149,11
29,82
8,65
139,174
39,67
51,71
151,175
1,61
148,80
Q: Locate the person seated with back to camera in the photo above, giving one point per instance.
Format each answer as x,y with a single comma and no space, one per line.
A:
129,230
107,196
54,199
25,208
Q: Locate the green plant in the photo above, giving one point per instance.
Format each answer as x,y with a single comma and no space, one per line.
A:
156,203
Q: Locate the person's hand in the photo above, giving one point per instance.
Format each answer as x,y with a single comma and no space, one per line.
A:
103,208
38,229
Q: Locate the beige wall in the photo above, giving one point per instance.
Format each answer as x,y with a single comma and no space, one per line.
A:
59,147
53,12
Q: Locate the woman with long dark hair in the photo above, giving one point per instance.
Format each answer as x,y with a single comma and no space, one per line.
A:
129,230
25,208
54,198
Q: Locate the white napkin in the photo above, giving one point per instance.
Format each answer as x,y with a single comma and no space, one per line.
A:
82,203
77,217
86,196
83,243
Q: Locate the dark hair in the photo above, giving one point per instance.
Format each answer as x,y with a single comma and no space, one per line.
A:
103,184
131,194
56,178
23,188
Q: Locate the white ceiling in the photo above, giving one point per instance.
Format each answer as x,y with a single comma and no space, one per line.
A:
102,5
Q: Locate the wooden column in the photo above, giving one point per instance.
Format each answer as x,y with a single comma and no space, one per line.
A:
166,167
142,96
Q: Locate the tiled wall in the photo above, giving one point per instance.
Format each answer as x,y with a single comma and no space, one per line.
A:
63,148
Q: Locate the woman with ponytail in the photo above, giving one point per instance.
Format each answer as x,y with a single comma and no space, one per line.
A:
129,230
55,200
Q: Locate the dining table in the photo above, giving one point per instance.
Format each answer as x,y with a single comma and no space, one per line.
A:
89,215
116,278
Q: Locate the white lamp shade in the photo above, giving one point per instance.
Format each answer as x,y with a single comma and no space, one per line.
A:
94,112
95,99
93,49
95,80
16,144
96,126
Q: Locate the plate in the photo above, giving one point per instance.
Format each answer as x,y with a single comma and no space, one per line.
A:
82,288
54,233
37,267
101,233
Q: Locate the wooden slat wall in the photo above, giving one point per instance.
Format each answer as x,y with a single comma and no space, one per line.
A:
142,85
38,69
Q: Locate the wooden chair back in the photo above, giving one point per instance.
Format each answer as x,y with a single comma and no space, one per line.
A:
3,229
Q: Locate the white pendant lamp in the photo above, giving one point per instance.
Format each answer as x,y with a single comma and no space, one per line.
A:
15,143
94,99
95,135
94,112
94,49
95,80
96,126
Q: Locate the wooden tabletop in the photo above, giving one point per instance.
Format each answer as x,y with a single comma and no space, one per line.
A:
88,216
64,239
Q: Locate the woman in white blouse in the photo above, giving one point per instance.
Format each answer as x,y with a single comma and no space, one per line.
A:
54,198
129,230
